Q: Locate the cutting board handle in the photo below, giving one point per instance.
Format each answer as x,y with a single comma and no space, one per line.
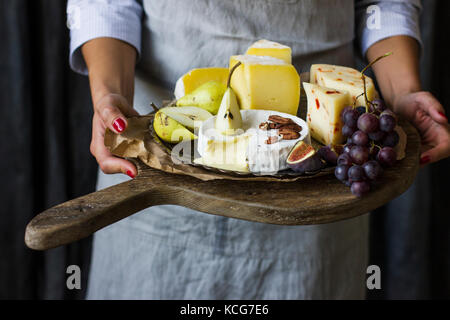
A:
79,218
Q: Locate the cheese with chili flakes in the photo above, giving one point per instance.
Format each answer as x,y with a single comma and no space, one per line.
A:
344,79
325,106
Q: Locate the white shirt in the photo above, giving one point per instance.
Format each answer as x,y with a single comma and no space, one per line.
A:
90,19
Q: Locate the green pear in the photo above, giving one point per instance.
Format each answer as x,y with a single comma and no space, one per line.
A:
190,117
208,96
229,119
171,130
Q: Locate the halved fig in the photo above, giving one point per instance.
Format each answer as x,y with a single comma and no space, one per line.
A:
303,158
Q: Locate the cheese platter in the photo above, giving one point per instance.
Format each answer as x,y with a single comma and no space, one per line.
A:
254,141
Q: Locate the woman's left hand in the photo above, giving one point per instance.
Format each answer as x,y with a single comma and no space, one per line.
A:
425,112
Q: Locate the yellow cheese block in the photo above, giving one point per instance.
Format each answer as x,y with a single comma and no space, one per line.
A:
196,77
343,78
269,48
325,106
229,155
267,83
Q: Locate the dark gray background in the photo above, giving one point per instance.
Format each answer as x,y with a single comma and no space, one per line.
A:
45,116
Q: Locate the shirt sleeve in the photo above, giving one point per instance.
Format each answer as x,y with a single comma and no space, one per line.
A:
90,19
378,20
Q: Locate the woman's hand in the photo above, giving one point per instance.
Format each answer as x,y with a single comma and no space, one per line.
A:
425,112
111,111
111,75
399,80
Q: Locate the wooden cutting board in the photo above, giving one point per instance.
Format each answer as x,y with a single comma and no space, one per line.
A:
314,200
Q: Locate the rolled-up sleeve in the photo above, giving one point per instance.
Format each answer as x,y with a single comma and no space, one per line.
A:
378,20
90,19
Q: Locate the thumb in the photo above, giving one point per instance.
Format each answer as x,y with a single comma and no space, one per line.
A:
434,108
113,118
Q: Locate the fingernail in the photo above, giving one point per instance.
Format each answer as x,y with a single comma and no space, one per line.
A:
443,115
130,174
119,125
425,160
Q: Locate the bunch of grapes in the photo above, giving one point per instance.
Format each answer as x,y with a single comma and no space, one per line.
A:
371,139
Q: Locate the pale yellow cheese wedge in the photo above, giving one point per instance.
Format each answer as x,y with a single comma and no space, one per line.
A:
344,79
325,106
269,48
196,77
266,83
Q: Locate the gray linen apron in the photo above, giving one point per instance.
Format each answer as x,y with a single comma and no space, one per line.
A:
170,252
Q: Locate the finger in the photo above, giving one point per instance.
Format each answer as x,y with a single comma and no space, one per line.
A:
113,118
434,108
434,154
122,104
108,163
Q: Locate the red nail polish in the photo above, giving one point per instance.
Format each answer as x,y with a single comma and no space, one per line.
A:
442,114
425,160
119,125
130,174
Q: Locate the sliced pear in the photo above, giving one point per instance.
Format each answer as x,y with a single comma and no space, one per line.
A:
229,118
189,117
170,130
208,96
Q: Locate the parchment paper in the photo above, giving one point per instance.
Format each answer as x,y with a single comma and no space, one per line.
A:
137,141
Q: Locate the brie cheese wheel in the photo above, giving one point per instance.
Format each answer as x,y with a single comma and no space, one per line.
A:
247,151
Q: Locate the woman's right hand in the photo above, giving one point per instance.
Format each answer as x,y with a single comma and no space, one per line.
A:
111,111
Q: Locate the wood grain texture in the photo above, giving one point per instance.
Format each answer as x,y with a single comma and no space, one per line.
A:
315,200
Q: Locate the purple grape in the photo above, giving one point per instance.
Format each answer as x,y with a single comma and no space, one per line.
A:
372,169
387,156
349,141
387,123
328,154
389,112
360,138
356,173
368,123
347,131
379,105
347,148
351,118
360,188
344,111
344,159
391,139
377,136
373,152
361,110
341,172
359,154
